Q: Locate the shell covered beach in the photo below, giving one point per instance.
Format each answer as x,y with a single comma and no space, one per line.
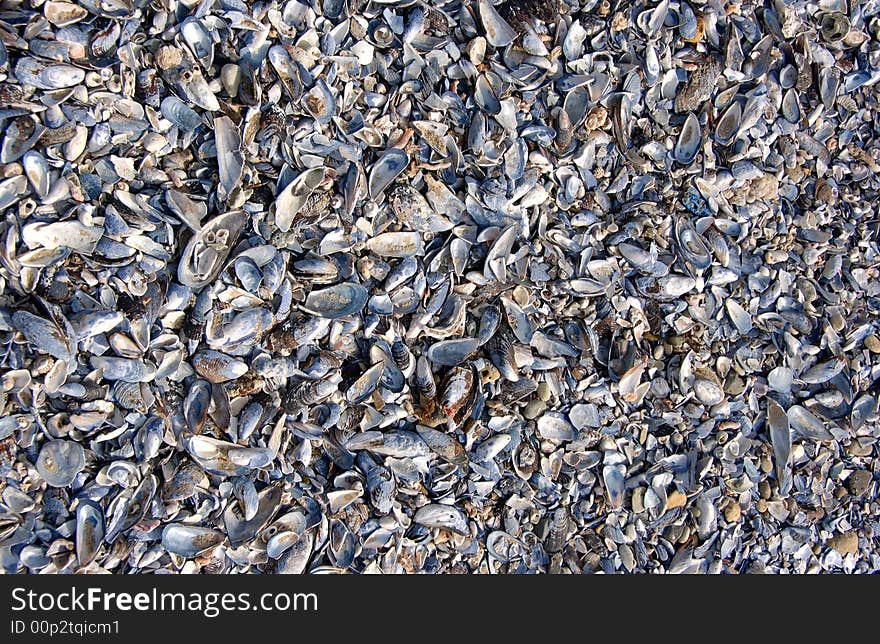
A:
368,286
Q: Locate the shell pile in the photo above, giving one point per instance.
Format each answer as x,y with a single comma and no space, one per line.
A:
469,286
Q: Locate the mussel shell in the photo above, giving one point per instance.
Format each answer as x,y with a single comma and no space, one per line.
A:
190,540
389,166
340,300
45,75
689,141
396,244
295,196
445,517
320,103
692,245
452,352
728,125
180,114
204,255
60,461
364,386
89,531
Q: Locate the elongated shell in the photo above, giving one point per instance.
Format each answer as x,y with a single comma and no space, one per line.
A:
204,255
294,197
689,140
389,166
230,160
780,438
446,517
728,125
337,301
400,244
89,531
180,114
189,540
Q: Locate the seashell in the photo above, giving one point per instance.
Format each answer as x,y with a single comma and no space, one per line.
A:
20,137
191,84
45,335
692,245
180,114
12,189
791,109
518,321
450,353
45,75
189,540
400,244
444,445
490,321
498,32
485,94
788,76
68,234
319,102
413,211
689,141
230,161
89,531
822,372
218,367
239,529
364,386
126,369
738,315
206,251
386,169
63,14
458,393
103,42
501,354
442,517
37,170
184,483
698,88
228,459
295,197
337,301
728,126
780,439
615,485
198,39
60,461
804,424
556,427
833,26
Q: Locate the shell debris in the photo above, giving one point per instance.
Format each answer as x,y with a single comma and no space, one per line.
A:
480,286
